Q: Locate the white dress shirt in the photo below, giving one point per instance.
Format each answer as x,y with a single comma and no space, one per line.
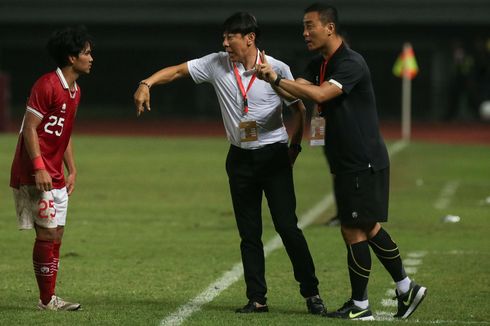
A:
264,105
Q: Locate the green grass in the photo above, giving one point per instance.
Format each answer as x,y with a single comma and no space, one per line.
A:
150,226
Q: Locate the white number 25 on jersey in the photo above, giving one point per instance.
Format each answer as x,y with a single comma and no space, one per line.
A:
51,125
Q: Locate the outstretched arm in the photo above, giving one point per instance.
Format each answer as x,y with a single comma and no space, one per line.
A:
299,89
163,76
318,94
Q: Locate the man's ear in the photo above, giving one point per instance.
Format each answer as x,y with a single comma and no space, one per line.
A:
71,59
330,28
250,38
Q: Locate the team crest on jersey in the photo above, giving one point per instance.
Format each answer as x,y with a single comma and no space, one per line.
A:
63,108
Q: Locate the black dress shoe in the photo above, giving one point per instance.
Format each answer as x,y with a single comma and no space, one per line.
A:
252,307
315,306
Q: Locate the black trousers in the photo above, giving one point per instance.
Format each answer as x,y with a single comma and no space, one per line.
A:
254,172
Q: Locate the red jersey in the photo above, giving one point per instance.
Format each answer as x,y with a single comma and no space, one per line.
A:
51,101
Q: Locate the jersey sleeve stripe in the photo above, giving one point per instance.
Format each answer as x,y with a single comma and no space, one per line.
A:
336,83
35,112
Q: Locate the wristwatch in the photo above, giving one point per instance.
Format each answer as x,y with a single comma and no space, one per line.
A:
277,80
296,147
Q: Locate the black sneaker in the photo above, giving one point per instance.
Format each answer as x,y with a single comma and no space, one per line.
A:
350,311
252,307
315,305
409,301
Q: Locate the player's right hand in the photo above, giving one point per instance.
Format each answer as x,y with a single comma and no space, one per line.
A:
43,180
142,99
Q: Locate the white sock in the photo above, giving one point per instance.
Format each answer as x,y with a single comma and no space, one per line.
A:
361,304
404,285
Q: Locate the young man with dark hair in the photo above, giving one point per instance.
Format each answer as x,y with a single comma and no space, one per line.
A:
259,160
340,82
37,177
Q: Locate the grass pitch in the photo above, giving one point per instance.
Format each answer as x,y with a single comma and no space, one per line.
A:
150,226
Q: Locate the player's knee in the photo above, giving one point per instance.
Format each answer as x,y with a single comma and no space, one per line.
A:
354,233
47,234
59,233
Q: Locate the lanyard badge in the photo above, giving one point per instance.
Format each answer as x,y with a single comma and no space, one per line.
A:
249,133
317,131
317,126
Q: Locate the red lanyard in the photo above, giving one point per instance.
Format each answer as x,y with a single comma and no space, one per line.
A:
323,68
242,89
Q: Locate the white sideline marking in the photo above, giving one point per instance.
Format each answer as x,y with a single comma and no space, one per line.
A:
417,254
383,316
204,297
397,147
389,303
411,270
446,194
412,262
214,289
230,277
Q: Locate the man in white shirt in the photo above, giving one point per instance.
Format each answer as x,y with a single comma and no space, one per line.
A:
259,160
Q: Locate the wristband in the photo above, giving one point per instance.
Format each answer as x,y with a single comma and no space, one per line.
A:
144,83
296,147
278,80
38,163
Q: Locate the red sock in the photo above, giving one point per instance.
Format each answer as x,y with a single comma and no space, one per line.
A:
42,259
56,264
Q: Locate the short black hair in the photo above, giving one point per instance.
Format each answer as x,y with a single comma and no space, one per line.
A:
69,41
243,23
327,13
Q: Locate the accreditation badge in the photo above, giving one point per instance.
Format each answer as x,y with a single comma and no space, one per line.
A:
317,129
249,134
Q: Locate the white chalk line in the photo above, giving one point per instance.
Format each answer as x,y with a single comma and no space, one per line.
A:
446,195
234,274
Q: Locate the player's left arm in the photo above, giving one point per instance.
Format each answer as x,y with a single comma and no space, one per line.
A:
317,94
298,111
69,160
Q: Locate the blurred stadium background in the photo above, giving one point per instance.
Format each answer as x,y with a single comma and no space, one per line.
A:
114,222
135,38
